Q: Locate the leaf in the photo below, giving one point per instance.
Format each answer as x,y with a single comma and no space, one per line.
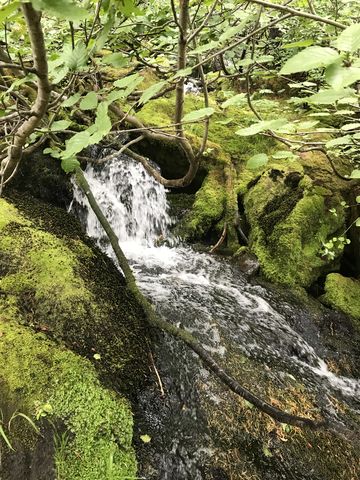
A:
345,140
358,199
8,10
126,81
54,152
350,126
69,102
309,58
339,77
76,143
357,223
116,60
60,125
198,114
102,125
232,31
115,95
89,102
257,161
97,356
349,39
282,154
355,174
77,58
28,419
185,72
328,96
128,8
261,127
4,436
145,438
204,48
64,9
235,100
150,92
69,165
302,43
267,452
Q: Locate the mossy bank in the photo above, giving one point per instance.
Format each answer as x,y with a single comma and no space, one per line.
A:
60,295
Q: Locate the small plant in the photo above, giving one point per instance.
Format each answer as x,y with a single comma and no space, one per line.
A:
15,415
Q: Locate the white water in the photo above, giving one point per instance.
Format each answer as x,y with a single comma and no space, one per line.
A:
205,294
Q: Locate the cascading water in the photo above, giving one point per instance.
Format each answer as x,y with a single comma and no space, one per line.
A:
213,300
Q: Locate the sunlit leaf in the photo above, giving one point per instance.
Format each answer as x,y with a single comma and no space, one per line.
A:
309,58
198,114
261,127
235,100
69,165
64,9
7,11
69,102
257,161
89,102
349,39
150,92
60,125
116,60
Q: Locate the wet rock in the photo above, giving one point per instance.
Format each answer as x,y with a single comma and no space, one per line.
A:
248,263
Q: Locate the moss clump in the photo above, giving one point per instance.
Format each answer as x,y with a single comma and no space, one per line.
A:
343,294
70,290
208,208
37,375
289,222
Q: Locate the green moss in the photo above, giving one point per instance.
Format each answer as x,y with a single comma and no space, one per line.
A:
289,225
343,293
9,214
35,372
70,290
208,207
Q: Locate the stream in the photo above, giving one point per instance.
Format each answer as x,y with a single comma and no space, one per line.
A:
211,298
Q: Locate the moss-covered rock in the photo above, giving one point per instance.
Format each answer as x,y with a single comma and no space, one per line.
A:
39,378
67,288
343,293
55,281
291,215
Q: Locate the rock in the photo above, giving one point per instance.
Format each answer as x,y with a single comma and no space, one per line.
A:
343,293
247,262
61,297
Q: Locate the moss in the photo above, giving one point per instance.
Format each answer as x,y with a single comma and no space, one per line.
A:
70,290
208,207
289,225
343,294
36,375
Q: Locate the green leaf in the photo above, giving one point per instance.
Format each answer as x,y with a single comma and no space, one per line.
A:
54,152
89,102
198,114
357,223
4,436
102,125
116,60
232,31
76,143
128,8
150,92
69,102
261,127
7,11
302,43
127,81
328,96
69,165
185,72
355,174
257,161
282,154
204,48
97,356
345,140
235,100
60,125
349,39
115,95
350,126
267,452
358,199
311,57
77,58
339,77
145,438
64,9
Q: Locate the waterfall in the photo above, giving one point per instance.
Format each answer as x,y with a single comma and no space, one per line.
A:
209,297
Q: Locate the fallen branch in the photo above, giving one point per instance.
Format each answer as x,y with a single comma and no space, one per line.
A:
155,321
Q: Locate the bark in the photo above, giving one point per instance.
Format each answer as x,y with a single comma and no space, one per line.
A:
14,154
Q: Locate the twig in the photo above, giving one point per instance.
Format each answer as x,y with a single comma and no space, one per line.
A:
220,241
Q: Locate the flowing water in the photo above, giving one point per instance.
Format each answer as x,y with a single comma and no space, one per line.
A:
211,298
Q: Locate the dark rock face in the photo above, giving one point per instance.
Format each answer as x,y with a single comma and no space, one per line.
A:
248,263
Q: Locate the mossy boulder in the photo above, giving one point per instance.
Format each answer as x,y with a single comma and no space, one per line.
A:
291,216
89,427
343,293
63,285
53,281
